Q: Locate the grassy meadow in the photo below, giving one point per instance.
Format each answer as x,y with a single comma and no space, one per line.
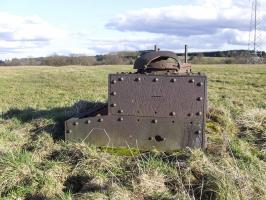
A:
35,163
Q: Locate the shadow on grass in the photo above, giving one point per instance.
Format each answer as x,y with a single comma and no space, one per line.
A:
83,184
55,116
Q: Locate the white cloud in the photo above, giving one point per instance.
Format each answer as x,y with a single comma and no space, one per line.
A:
205,18
202,24
26,35
208,23
29,28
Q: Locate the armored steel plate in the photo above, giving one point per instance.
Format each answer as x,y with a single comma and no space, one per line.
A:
152,96
144,133
166,112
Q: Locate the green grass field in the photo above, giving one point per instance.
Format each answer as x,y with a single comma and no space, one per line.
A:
36,164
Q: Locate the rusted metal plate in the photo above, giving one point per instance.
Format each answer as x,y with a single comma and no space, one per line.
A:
145,111
162,96
144,133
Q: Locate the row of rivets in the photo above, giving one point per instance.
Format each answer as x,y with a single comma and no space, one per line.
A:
198,84
155,121
121,119
156,80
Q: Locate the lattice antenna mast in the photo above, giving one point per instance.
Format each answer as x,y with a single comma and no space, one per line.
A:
255,31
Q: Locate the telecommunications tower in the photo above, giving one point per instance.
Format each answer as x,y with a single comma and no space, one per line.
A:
255,34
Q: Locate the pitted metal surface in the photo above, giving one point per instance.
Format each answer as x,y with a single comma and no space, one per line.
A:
161,108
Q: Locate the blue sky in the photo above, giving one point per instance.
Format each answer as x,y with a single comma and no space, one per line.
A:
31,28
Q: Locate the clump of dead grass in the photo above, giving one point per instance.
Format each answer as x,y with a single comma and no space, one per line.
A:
252,124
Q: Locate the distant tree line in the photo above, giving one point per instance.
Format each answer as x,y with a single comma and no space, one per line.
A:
228,53
57,60
128,58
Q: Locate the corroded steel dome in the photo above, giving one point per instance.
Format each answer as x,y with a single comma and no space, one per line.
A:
157,60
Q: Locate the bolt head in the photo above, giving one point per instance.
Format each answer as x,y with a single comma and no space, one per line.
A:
173,80
120,111
172,113
68,131
100,120
113,104
199,98
192,81
200,84
198,132
113,93
88,121
137,79
156,80
199,113
120,119
75,123
121,79
113,81
154,121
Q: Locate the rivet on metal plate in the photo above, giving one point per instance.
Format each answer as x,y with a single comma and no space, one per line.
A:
200,84
173,80
113,105
198,132
199,113
121,79
113,81
191,80
156,80
172,113
69,131
88,121
154,121
113,93
100,120
75,123
199,98
120,111
120,119
137,79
